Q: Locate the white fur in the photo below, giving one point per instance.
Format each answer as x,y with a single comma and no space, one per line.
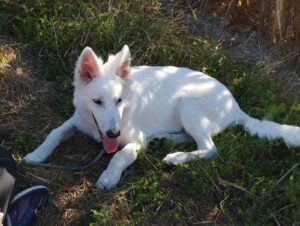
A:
156,102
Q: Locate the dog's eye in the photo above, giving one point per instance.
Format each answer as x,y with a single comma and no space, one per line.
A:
97,101
119,100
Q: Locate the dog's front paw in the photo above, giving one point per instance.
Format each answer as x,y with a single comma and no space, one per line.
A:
177,158
33,157
109,178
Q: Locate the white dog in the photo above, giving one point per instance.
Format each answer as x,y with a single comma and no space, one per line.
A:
128,106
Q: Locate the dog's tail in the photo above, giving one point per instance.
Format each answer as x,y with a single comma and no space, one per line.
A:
272,130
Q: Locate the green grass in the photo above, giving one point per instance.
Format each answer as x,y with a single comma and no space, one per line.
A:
251,181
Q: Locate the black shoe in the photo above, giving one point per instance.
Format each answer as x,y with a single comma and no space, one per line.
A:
23,207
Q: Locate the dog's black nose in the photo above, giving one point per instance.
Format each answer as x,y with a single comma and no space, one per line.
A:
113,133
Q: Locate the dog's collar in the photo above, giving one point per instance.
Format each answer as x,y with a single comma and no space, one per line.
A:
110,145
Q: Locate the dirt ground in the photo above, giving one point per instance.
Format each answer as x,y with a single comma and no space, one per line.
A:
244,41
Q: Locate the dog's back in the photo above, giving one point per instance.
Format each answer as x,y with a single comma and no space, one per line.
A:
161,89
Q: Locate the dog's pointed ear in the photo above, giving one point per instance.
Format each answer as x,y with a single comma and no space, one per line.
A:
123,59
88,66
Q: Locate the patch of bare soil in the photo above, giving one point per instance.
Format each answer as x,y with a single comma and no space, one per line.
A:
19,89
281,60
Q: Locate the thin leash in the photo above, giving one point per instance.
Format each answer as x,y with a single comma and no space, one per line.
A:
74,168
71,168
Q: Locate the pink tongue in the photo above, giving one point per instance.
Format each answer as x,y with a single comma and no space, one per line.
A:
110,145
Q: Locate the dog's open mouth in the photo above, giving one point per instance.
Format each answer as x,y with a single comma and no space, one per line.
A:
110,145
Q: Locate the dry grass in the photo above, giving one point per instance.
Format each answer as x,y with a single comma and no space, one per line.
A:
23,97
265,31
25,113
279,20
19,88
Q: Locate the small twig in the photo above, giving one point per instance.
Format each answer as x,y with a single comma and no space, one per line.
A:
281,178
220,28
279,8
222,207
216,186
56,45
110,5
38,178
192,10
273,213
251,36
278,224
85,35
9,113
148,160
230,184
204,222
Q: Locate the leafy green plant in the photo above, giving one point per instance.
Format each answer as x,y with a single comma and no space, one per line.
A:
22,143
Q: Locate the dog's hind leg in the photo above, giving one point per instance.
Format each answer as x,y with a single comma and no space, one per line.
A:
66,130
201,153
197,126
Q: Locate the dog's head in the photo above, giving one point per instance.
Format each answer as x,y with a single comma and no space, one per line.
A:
99,88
